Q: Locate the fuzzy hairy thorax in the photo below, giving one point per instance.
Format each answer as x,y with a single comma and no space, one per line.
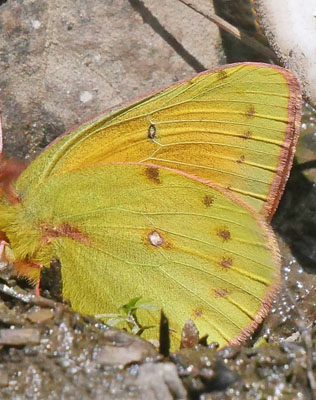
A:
24,240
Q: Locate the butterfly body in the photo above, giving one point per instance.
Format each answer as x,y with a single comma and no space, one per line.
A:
162,199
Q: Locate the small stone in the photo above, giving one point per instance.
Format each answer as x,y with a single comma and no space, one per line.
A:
36,24
19,337
4,379
85,96
41,315
123,349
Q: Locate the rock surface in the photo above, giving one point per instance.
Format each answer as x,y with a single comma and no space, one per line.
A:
63,61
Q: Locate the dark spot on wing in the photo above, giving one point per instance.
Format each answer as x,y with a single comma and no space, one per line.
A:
221,292
153,174
64,230
152,131
197,313
226,262
251,111
224,234
222,74
241,159
208,200
247,134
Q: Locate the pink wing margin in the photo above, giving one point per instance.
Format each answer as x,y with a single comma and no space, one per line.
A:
291,136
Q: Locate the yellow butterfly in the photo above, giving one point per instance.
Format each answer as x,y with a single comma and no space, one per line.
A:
162,199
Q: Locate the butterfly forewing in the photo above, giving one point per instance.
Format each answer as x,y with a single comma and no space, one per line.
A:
236,126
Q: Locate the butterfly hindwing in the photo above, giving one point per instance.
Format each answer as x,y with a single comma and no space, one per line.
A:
126,230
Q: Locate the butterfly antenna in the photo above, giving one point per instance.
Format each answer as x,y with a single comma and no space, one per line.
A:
1,137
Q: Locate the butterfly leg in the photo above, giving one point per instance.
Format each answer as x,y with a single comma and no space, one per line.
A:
3,259
38,288
38,284
28,269
6,254
7,258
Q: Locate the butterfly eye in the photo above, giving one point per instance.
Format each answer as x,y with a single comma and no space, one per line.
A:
152,132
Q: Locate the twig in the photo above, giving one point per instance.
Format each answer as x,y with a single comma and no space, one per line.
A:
30,298
237,33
